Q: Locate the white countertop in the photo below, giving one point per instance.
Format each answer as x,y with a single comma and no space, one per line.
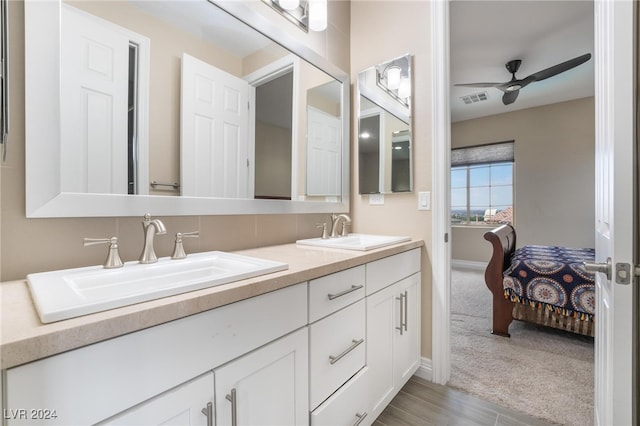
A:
23,338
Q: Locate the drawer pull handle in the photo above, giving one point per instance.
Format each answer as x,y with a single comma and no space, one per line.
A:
208,411
360,418
234,413
402,326
347,291
334,359
406,310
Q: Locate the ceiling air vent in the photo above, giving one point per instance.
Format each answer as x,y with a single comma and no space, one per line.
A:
476,97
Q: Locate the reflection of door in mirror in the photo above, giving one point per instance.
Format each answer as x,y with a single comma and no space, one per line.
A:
102,107
324,138
214,160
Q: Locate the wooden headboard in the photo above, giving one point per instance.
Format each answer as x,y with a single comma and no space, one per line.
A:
503,240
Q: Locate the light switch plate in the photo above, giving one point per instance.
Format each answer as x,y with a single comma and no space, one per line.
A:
424,200
376,199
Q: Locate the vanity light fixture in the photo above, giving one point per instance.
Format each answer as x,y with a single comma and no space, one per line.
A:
394,78
404,88
289,4
306,14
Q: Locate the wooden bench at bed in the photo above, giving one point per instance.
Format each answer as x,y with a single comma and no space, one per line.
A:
503,240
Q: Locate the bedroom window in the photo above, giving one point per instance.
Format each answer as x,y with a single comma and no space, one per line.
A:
482,184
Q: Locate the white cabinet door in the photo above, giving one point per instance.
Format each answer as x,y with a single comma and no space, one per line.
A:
406,342
380,336
268,386
180,406
393,337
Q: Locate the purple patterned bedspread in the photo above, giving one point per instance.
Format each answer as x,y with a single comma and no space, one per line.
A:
553,277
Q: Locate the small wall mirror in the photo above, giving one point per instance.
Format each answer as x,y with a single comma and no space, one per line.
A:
384,128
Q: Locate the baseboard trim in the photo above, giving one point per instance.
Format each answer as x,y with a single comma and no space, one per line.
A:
468,264
425,370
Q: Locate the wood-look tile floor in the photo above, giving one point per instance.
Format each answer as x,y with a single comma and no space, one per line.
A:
422,403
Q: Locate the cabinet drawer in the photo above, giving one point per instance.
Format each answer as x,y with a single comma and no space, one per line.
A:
333,292
348,406
389,270
337,350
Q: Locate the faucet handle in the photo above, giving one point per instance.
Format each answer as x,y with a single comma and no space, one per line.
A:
323,225
113,257
344,232
178,248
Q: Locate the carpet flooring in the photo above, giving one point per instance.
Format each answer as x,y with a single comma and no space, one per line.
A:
539,371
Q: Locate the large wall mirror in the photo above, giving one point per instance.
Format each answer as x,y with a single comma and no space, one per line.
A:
384,128
178,108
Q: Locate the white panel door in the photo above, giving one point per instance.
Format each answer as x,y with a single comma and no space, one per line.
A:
614,210
213,132
269,386
181,406
94,84
323,153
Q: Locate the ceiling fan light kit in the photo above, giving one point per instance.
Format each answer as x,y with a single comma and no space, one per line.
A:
512,88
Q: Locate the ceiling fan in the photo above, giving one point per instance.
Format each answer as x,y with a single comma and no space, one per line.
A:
512,88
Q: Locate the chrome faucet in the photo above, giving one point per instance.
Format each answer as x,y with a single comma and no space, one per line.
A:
335,220
150,228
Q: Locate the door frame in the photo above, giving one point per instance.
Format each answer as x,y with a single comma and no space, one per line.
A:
261,76
441,233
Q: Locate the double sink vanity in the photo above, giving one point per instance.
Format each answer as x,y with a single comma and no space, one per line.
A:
291,334
324,331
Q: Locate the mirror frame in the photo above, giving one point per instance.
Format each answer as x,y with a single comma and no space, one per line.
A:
42,133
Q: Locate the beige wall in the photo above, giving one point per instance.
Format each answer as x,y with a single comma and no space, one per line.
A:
32,245
380,31
554,175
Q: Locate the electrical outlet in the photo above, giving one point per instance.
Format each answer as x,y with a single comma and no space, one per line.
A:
376,199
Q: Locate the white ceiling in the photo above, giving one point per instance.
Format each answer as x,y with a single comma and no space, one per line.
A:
485,35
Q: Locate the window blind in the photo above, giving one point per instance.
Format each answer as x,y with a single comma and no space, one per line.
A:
489,153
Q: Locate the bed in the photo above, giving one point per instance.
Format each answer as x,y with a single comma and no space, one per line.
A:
545,285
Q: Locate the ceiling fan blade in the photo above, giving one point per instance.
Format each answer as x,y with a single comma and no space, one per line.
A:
510,97
557,69
479,84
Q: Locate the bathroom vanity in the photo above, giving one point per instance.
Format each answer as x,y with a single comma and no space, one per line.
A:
329,341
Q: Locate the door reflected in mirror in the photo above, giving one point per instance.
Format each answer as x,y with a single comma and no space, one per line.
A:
384,128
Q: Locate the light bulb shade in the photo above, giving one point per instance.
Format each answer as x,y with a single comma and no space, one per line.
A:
404,89
393,77
317,15
289,4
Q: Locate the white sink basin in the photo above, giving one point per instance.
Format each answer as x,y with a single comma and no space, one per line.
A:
70,293
355,241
